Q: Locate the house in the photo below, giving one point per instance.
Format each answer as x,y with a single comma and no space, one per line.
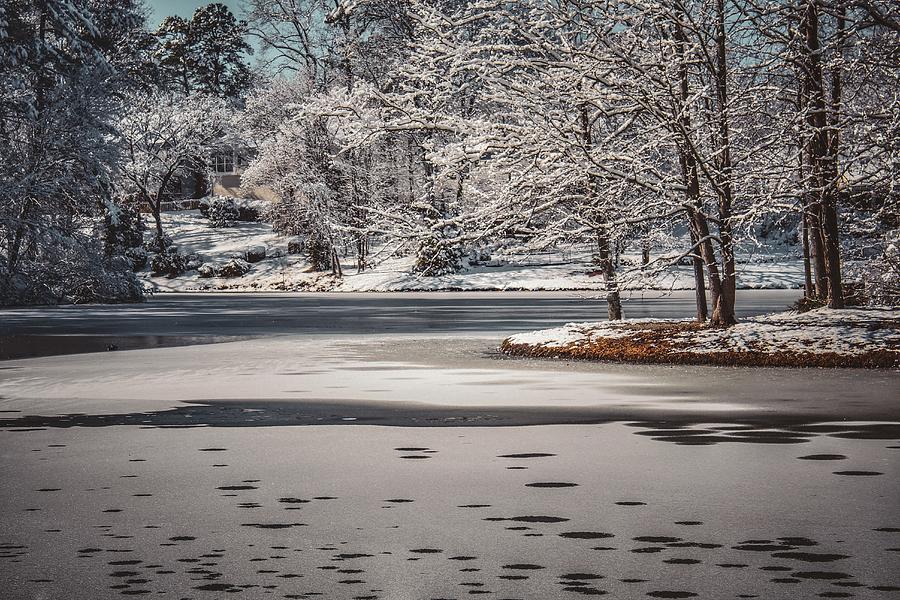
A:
226,167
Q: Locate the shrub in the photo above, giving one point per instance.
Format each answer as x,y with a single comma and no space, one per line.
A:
296,246
70,269
155,244
124,230
138,258
222,213
235,267
169,263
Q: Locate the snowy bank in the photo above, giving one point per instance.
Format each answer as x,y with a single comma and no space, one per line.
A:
564,269
818,338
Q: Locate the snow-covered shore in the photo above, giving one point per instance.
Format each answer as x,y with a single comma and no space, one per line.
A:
852,337
564,270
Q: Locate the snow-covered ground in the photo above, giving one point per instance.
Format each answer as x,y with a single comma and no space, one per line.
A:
848,332
570,270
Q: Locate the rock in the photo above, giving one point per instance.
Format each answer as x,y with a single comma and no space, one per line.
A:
255,254
206,271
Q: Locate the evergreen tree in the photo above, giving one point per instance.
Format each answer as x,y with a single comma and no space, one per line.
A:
204,54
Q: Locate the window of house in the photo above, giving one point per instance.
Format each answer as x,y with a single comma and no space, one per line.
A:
223,163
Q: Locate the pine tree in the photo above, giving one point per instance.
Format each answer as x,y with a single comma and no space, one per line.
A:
205,53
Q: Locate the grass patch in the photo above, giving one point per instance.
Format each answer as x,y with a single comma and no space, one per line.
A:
669,343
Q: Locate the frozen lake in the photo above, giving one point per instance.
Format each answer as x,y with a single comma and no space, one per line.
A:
179,319
379,447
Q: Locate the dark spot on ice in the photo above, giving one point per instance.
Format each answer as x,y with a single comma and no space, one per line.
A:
631,503
530,519
415,456
681,561
182,538
426,551
49,490
237,487
822,457
399,500
213,450
689,522
859,473
760,547
887,529
522,567
656,539
216,587
273,525
809,556
551,484
671,594
474,506
527,455
585,535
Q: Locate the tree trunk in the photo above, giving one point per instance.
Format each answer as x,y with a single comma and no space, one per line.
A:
830,231
723,312
699,280
712,267
690,177
157,217
822,167
613,299
808,291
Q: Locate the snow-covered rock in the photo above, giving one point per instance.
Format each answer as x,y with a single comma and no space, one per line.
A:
254,254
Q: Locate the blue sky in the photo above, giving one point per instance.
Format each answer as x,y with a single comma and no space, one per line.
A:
184,8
